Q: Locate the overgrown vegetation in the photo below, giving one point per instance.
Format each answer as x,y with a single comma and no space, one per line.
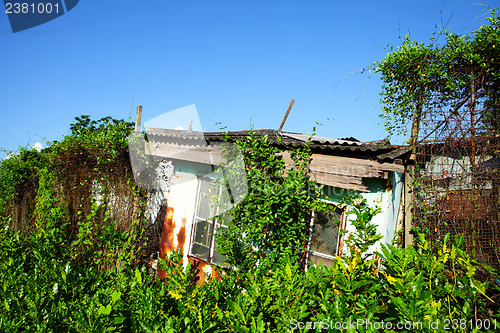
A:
77,190
42,290
447,90
461,73
275,214
87,281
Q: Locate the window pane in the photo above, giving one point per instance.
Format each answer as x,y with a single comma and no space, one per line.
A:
325,232
202,232
225,219
217,257
224,201
206,205
320,261
200,251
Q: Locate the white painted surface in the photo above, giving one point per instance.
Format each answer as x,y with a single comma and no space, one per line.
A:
182,198
389,202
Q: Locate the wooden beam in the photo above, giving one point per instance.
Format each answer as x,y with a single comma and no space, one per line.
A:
349,183
409,196
286,115
138,116
409,186
345,172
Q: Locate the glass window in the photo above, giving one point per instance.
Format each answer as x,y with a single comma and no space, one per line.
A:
325,232
218,258
203,240
320,260
324,236
206,200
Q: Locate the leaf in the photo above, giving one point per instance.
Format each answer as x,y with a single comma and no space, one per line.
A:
138,276
175,295
288,271
241,329
116,296
104,310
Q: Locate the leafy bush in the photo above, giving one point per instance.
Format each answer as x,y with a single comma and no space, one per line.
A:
45,287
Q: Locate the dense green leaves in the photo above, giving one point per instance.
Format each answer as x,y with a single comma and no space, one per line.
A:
418,75
40,290
18,175
275,215
88,282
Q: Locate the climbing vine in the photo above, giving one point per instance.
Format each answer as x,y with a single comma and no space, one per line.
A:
418,77
275,214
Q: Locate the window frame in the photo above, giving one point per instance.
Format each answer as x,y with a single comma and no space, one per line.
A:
340,227
215,224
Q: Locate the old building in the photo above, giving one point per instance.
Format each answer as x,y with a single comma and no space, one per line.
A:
186,161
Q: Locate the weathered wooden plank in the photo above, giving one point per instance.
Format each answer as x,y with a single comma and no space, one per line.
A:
339,178
328,179
354,166
348,166
345,166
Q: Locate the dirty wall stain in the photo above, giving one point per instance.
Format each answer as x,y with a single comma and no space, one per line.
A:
181,236
167,238
167,246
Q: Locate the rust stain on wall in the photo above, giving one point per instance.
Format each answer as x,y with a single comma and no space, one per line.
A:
167,238
167,246
181,236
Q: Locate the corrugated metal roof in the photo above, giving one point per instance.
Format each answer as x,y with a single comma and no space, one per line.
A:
380,150
321,139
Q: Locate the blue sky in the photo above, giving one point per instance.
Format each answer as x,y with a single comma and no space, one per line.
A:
238,61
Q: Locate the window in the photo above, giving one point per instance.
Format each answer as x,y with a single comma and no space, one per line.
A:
324,236
204,224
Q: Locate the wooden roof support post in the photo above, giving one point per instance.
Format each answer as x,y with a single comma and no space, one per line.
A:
138,117
286,115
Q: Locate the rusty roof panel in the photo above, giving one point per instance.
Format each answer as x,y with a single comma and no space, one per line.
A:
325,145
321,139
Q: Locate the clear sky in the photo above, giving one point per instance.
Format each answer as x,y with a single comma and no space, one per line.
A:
238,61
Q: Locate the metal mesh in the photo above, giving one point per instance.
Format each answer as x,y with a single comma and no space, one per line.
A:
458,172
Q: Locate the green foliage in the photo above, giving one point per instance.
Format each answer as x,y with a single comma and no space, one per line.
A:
433,283
419,75
58,279
276,212
105,138
41,290
366,231
18,175
43,193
